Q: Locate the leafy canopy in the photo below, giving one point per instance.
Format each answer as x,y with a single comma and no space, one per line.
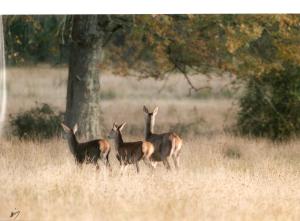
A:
242,44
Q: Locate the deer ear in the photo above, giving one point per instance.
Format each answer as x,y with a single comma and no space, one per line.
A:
121,126
155,111
66,129
145,110
115,126
75,128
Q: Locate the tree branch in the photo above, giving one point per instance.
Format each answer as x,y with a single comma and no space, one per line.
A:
192,87
115,29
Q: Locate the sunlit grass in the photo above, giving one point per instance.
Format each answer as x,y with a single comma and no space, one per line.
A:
222,177
42,181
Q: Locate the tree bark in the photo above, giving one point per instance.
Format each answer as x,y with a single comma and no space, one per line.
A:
83,92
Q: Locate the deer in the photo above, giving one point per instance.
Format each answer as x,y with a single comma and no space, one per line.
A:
130,152
166,145
89,152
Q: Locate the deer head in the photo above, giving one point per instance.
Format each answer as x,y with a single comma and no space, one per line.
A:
116,130
70,132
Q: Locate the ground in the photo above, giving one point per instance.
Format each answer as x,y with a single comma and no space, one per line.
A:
221,177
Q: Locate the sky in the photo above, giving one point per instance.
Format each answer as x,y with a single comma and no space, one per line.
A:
148,6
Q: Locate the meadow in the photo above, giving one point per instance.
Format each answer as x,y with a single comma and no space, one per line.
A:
222,176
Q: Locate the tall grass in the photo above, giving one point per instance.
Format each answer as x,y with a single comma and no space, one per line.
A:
222,177
42,181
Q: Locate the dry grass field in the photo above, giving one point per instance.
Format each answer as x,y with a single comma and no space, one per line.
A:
222,176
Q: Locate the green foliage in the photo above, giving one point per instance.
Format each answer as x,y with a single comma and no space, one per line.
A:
157,44
33,39
244,45
37,123
259,48
271,103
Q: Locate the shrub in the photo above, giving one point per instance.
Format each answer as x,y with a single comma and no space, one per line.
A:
37,123
270,106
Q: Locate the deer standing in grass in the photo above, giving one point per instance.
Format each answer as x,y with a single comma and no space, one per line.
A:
90,151
130,152
166,145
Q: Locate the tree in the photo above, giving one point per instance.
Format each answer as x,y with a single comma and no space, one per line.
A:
266,54
247,46
89,35
242,44
271,103
261,49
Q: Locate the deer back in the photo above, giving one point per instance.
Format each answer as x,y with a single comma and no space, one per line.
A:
91,150
131,152
164,144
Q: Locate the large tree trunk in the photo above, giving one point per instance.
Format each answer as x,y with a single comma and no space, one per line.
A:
83,93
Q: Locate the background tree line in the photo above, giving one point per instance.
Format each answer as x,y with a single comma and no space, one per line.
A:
263,51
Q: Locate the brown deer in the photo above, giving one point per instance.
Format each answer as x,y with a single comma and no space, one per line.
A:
130,152
90,151
166,145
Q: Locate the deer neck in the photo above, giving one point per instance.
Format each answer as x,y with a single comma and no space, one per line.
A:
73,143
149,126
118,140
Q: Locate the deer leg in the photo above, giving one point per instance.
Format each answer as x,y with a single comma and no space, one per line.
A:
167,164
108,163
104,159
94,160
148,163
122,168
97,166
79,163
178,157
125,168
176,161
153,164
119,159
137,167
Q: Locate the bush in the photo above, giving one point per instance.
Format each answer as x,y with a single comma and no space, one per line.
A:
37,123
270,106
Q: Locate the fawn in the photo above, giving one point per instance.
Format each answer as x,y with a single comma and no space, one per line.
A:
130,152
89,151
